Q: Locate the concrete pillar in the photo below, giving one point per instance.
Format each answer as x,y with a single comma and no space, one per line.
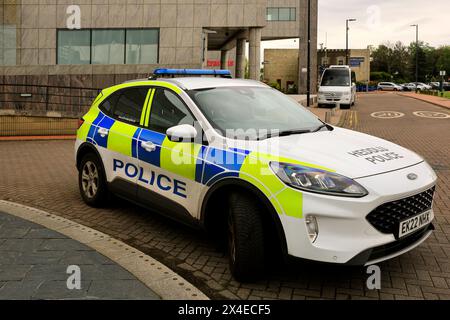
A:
224,59
254,63
303,46
240,58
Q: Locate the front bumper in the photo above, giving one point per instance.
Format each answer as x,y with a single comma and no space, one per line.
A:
322,99
345,235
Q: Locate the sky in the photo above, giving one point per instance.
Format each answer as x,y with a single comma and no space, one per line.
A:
379,21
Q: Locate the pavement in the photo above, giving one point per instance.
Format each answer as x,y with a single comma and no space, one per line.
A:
438,101
41,174
34,264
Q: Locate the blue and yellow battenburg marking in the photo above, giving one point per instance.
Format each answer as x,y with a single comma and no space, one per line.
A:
205,165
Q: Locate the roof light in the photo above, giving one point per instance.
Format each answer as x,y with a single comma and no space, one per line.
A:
191,72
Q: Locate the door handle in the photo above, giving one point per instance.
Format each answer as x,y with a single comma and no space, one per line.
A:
103,132
148,146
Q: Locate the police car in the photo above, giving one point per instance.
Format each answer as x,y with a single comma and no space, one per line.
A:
254,168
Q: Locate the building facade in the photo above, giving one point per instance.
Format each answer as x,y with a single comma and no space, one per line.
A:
281,68
281,65
359,61
97,43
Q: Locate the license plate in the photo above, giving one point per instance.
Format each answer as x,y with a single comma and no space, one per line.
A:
415,223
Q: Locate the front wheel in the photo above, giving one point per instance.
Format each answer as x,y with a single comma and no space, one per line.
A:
245,238
92,182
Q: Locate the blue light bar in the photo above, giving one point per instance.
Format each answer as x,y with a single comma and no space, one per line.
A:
191,72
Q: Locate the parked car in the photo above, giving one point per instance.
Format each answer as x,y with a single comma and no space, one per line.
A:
435,85
389,86
413,87
407,87
422,86
185,147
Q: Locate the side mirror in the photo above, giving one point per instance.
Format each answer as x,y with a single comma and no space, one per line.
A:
182,133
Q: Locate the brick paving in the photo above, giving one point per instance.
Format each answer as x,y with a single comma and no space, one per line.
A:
42,174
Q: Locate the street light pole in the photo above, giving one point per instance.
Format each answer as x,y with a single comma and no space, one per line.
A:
308,75
417,51
346,40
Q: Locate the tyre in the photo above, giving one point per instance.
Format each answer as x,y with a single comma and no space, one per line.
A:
345,106
92,181
245,238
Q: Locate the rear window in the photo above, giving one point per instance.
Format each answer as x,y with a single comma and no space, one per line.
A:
336,78
129,105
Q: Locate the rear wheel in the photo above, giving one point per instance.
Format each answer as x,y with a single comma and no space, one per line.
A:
245,238
92,182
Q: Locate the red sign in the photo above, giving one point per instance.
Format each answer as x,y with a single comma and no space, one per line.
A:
216,63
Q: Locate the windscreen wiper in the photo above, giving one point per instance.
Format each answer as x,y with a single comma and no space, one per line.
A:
283,134
323,125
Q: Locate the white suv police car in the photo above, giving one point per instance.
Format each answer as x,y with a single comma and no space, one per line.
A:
254,168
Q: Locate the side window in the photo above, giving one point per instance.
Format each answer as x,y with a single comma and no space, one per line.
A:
353,77
167,111
129,105
109,103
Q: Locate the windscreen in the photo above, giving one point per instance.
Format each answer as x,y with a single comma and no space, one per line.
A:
249,112
336,78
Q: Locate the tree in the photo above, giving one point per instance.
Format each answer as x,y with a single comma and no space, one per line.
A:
391,60
443,60
398,62
425,61
382,59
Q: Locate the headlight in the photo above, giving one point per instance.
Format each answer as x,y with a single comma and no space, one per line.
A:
317,181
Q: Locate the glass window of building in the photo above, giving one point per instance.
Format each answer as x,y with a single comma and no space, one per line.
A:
281,14
284,14
74,47
142,46
7,45
108,46
293,16
272,14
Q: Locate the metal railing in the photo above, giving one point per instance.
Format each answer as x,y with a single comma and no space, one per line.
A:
27,109
44,100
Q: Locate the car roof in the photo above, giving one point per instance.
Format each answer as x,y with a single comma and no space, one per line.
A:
193,83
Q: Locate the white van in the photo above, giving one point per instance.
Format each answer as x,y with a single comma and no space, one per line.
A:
337,86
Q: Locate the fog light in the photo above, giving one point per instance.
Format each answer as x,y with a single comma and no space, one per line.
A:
312,227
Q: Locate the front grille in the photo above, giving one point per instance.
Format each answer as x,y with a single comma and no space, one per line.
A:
386,218
333,95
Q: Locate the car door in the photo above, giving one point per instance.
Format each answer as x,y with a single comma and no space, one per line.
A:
120,130
170,169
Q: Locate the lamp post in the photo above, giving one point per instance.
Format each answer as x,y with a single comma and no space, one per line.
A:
417,51
308,75
346,40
